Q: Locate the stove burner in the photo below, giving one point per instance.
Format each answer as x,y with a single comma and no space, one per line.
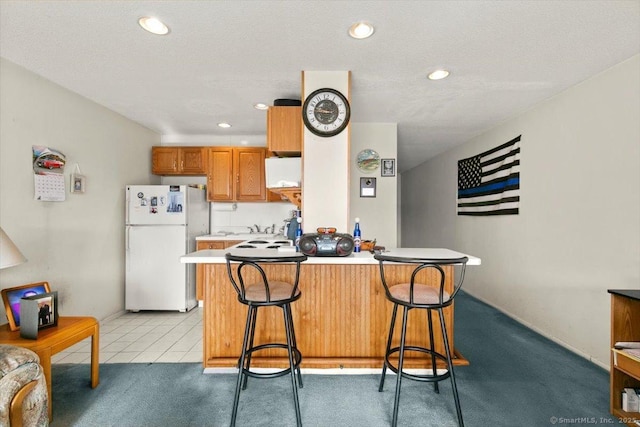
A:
257,242
273,246
285,242
245,246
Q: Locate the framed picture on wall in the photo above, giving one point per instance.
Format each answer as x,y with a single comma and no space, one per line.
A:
78,183
388,167
367,187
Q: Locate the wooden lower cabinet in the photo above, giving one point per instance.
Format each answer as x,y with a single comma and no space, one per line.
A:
625,326
208,244
341,320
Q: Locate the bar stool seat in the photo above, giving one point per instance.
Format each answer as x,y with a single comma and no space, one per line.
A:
255,290
422,294
429,297
278,291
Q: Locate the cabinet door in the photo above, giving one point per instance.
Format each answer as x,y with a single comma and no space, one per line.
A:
284,130
210,244
249,174
164,160
193,161
220,176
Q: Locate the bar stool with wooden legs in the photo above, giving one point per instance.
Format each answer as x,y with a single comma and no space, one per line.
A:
429,297
254,290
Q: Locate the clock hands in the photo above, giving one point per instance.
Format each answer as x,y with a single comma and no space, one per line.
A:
326,112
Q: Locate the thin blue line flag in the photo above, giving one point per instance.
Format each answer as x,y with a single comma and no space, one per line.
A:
489,183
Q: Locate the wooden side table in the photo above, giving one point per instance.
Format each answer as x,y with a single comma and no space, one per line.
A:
69,331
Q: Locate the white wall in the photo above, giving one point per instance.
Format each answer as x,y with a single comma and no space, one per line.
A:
325,164
76,245
578,232
377,214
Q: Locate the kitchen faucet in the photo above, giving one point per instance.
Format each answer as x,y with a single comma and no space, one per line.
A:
257,228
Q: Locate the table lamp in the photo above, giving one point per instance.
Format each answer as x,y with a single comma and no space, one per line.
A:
10,255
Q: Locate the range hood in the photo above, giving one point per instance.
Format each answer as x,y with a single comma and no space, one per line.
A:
283,172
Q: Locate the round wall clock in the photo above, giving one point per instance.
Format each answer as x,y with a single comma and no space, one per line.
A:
326,112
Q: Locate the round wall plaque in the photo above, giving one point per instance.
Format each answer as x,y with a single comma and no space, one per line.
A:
368,160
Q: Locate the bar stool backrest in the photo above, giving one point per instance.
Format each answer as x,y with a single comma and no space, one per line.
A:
423,264
239,282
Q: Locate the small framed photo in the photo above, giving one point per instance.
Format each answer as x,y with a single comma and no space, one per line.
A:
367,187
12,296
78,183
47,309
388,167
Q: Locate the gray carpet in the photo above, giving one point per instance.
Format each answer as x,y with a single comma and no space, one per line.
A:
516,378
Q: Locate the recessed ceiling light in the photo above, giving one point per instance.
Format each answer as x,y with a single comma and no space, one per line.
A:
361,30
153,25
260,106
224,125
438,74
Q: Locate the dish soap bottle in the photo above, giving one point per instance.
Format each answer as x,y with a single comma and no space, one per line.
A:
298,234
357,239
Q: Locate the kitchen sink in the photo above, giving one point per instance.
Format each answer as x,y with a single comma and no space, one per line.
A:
243,236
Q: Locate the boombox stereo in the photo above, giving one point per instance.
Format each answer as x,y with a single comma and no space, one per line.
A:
329,244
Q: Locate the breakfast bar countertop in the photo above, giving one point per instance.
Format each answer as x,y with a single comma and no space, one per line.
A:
216,256
240,236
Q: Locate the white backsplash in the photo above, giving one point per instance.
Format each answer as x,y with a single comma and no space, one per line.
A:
225,218
236,217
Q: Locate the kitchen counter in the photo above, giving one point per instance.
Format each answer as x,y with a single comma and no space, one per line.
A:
216,256
241,236
341,320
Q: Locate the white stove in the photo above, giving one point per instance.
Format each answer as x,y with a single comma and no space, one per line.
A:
260,243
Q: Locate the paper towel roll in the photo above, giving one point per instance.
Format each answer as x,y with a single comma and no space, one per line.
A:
224,206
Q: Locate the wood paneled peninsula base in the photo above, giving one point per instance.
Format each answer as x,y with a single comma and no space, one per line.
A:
341,320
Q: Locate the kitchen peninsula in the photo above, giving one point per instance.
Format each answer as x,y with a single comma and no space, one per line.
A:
341,321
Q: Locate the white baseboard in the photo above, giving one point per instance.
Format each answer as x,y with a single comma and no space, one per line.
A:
543,333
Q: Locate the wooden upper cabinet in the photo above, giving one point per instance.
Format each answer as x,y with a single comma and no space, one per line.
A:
164,160
193,161
249,172
220,175
236,174
284,130
179,160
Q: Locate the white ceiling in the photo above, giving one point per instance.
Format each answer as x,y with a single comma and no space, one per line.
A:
221,57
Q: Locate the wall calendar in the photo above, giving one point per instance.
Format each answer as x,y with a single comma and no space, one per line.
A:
48,169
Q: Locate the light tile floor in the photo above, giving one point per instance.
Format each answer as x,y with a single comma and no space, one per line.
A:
143,337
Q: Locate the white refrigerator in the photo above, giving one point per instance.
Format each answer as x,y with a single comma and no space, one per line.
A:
161,224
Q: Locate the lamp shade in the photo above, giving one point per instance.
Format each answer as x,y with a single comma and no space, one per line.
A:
10,255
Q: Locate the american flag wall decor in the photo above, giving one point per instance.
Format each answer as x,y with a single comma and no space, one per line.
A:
489,183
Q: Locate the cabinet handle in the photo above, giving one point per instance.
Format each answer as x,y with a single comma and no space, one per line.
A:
237,177
181,164
175,164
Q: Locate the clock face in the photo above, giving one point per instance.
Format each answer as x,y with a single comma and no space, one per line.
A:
326,112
